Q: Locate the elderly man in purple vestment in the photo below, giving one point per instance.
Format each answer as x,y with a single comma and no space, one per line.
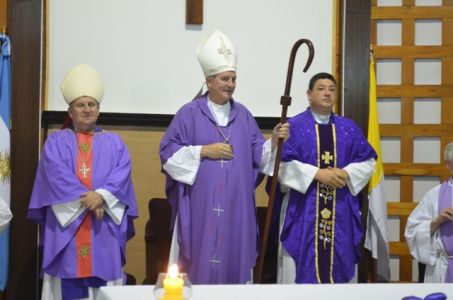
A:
429,229
212,154
83,197
326,162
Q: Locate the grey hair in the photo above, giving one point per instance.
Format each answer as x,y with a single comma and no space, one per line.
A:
448,152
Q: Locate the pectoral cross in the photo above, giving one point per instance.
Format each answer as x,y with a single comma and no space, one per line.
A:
214,260
84,170
218,210
327,157
222,162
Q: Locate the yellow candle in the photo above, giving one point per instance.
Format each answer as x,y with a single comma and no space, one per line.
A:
173,284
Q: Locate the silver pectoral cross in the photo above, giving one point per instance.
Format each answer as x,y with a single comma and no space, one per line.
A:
214,260
218,210
222,162
84,170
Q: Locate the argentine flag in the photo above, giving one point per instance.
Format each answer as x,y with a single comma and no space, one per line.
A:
5,171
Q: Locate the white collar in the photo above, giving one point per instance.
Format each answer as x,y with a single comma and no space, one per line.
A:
220,112
322,119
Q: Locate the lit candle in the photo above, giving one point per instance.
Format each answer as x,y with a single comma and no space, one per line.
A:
173,284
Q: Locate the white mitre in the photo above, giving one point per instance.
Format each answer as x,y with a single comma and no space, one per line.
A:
82,80
216,54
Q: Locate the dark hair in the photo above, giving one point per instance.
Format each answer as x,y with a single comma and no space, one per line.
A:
318,76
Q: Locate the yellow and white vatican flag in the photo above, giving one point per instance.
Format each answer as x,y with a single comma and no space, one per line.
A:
377,235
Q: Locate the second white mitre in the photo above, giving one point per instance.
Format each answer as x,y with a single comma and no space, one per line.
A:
82,80
216,54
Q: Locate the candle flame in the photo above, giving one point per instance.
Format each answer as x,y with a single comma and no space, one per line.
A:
173,271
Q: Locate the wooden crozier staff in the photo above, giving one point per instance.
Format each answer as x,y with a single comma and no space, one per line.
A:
285,101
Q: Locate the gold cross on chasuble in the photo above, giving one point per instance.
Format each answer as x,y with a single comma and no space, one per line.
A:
327,157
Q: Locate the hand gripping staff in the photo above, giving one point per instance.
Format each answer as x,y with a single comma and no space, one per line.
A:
285,101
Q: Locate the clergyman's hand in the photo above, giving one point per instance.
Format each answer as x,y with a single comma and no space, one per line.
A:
99,213
217,151
281,131
341,173
91,200
444,216
331,177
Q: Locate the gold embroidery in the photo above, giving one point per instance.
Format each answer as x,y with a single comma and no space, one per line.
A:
326,192
317,209
84,147
84,251
334,205
325,231
327,157
326,213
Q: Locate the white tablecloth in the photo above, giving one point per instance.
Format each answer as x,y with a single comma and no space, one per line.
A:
286,292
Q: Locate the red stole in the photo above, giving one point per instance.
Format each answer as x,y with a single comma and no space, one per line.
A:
83,234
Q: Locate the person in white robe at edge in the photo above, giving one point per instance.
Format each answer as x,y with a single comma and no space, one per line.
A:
429,229
220,76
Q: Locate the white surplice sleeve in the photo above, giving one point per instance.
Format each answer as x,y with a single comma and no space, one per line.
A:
67,212
267,158
423,246
112,206
292,175
183,165
298,176
359,175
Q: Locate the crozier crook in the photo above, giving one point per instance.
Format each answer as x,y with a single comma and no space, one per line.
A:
285,101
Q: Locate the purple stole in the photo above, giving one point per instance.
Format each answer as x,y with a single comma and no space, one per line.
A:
446,229
325,205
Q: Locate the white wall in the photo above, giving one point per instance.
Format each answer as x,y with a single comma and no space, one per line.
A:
146,53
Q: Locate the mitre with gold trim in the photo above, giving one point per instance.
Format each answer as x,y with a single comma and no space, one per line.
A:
216,54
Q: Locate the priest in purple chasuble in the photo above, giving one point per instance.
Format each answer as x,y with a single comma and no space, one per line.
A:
429,228
83,198
212,154
326,162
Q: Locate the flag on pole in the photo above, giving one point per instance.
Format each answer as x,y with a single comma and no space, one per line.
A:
377,235
5,171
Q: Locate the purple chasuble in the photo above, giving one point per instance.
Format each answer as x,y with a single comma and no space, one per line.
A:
322,228
217,225
56,183
446,229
